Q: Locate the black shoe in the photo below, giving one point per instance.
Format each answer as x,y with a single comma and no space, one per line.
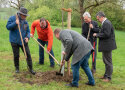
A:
52,66
32,72
41,63
17,71
71,85
89,84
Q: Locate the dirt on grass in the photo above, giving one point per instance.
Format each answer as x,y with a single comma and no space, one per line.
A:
42,77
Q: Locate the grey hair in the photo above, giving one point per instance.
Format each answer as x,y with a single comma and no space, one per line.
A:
87,14
100,14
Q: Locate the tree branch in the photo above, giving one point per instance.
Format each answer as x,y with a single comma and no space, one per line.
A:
13,7
96,2
92,8
95,5
74,9
11,2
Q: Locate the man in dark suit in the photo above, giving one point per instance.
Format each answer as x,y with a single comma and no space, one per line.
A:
106,44
88,28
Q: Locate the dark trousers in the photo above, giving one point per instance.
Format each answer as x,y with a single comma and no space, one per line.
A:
16,50
41,53
94,54
107,59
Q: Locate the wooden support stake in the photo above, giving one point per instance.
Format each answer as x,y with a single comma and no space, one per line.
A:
69,10
47,52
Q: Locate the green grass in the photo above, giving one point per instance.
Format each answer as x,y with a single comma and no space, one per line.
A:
8,82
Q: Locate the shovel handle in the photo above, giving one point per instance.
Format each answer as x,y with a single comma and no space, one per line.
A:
47,52
21,38
68,67
88,34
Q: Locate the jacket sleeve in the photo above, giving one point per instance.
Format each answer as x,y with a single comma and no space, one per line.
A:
95,28
105,32
28,31
67,42
33,26
11,24
50,38
84,30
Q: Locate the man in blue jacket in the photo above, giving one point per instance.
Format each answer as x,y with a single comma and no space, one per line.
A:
15,40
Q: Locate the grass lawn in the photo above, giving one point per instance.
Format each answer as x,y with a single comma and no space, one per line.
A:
7,70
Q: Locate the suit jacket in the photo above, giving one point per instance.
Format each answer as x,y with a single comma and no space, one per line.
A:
74,44
85,29
106,37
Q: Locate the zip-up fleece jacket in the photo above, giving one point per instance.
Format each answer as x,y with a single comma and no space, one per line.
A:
43,34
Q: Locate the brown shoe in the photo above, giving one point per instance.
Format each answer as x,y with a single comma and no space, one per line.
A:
93,71
102,77
106,80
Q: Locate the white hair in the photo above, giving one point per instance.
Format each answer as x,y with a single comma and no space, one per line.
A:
87,14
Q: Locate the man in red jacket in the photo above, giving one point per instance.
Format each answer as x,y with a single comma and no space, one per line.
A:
45,36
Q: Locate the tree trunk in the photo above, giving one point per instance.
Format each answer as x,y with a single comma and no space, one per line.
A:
82,10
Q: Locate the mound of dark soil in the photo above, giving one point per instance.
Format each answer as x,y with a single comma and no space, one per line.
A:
42,77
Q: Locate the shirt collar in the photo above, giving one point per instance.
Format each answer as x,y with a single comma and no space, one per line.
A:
103,20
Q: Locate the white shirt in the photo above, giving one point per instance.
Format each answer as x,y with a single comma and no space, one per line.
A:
103,20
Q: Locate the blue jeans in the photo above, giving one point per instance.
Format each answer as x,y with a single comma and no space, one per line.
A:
84,64
41,53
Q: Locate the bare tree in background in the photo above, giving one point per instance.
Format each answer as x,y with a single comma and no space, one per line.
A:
17,3
13,3
3,3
